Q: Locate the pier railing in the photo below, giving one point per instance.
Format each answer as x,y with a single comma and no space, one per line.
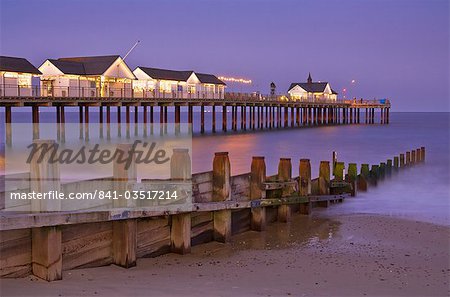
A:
107,93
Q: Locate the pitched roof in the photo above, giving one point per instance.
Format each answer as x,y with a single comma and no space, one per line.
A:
165,74
209,79
13,64
314,87
69,67
96,65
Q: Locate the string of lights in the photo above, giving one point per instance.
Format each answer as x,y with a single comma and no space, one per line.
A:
237,80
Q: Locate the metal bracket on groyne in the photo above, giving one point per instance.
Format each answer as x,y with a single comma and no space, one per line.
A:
46,244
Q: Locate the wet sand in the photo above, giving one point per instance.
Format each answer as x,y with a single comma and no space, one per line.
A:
347,255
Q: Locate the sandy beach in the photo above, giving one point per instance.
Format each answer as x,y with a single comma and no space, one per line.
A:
348,255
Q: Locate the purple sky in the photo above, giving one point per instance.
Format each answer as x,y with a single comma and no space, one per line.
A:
393,48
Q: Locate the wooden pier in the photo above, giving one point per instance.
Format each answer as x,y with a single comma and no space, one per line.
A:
46,244
249,112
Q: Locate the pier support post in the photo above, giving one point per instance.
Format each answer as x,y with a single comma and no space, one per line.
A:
221,192
8,125
177,114
127,114
35,121
286,116
254,116
213,128
319,115
144,115
161,115
190,114
266,116
202,119
165,116
413,157
304,184
224,118
257,178
284,175
408,159
245,117
242,117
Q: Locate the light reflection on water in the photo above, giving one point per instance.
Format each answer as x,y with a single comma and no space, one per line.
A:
301,231
420,193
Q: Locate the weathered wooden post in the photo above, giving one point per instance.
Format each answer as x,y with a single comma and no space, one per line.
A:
388,167
304,184
339,171
180,164
402,160
422,153
44,176
221,192
334,161
180,169
413,157
324,178
408,159
352,177
124,231
396,163
285,175
418,156
257,178
382,170
46,253
363,177
324,182
374,175
46,250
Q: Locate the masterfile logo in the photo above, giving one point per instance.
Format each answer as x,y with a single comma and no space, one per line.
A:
139,167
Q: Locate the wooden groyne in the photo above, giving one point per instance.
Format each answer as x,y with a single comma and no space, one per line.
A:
46,244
